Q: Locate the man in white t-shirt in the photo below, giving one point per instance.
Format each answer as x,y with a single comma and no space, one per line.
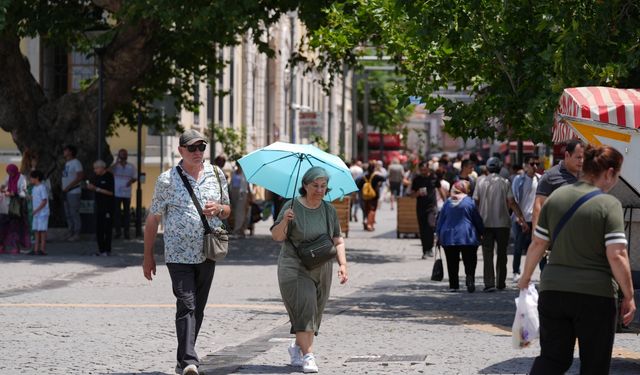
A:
72,176
124,174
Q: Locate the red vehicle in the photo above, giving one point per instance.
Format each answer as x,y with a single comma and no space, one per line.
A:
391,147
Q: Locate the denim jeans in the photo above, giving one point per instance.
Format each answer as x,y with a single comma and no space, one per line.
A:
72,213
520,245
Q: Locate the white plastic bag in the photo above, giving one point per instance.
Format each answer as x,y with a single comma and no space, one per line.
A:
526,324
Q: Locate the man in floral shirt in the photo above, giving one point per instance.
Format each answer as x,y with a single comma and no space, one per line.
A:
191,272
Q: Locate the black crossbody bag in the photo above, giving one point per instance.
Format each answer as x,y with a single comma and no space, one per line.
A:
216,241
314,253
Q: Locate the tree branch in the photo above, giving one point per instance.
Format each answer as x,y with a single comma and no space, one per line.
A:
502,63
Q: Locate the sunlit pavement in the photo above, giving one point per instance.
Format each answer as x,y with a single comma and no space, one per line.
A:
71,312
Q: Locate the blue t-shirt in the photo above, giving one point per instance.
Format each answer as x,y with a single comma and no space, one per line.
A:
39,194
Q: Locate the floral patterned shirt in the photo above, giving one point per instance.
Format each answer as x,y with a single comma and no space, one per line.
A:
183,229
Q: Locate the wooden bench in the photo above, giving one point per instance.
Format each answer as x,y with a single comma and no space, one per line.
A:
406,216
342,208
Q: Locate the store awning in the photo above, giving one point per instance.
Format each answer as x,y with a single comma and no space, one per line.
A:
605,116
606,105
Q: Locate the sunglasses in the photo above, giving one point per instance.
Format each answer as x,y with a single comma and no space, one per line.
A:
192,148
534,163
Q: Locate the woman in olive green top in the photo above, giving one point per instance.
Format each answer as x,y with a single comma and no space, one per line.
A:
578,285
305,292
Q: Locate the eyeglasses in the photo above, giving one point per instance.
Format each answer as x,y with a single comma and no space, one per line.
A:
192,148
534,163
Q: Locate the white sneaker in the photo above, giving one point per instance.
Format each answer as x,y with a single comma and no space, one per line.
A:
295,354
190,370
309,363
516,277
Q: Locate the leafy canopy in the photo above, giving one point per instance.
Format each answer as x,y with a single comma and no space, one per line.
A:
514,56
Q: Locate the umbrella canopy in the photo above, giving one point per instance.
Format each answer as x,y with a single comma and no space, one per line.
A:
280,166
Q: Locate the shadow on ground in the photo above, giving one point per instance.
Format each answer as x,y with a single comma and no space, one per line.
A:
430,302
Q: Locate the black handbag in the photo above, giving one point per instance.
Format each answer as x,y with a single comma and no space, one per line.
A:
437,274
16,209
216,241
314,253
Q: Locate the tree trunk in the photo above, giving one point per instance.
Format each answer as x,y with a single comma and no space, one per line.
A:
44,127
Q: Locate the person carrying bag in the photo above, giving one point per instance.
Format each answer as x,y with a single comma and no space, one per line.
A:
216,241
305,271
314,253
190,238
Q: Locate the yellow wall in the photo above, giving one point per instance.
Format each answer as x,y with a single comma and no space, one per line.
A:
6,142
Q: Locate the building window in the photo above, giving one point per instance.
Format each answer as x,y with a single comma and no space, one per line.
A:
83,70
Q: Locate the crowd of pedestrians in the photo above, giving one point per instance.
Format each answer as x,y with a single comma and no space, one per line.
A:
26,197
460,205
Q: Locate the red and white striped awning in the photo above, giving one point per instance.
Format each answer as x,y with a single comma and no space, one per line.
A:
608,105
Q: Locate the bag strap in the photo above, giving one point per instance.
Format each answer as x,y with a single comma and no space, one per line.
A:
326,214
187,184
567,215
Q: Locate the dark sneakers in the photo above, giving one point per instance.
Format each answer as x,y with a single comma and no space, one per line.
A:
471,284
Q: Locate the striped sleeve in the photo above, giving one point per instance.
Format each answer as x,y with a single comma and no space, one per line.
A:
615,237
541,233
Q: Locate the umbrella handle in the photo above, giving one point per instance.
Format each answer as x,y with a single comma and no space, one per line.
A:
293,199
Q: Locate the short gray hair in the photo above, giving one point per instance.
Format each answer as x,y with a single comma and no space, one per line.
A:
99,164
311,175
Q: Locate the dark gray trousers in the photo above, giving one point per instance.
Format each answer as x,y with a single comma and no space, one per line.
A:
491,236
191,284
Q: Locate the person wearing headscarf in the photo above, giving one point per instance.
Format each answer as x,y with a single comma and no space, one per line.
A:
459,230
14,230
305,291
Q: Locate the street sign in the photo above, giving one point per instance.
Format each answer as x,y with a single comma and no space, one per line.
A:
310,119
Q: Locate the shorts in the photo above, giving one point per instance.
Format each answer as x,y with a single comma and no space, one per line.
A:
40,223
396,188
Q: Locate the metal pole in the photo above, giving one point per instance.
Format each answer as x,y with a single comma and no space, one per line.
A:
330,122
343,136
139,184
161,152
520,152
100,54
354,115
292,95
267,100
365,120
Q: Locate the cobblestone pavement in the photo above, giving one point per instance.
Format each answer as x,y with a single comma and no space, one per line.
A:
71,313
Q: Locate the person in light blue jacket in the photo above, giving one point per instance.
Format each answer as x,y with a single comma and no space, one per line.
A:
459,230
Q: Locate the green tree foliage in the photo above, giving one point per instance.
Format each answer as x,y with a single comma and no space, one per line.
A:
385,112
234,143
149,49
514,56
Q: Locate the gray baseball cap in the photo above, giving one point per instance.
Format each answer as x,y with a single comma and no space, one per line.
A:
190,137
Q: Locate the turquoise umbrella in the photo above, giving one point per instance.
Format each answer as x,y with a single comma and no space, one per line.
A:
280,166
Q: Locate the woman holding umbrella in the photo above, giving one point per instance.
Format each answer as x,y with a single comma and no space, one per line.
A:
305,291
